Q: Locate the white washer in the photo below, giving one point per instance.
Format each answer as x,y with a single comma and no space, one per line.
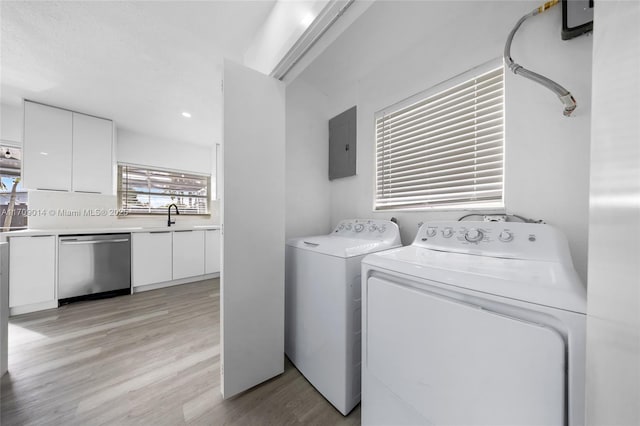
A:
322,305
475,323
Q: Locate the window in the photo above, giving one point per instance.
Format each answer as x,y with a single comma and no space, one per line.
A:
444,148
142,190
13,198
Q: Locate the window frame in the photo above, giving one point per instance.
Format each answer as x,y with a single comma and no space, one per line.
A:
127,212
489,207
14,145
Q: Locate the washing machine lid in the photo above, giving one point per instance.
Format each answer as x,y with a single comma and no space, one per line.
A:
551,284
352,237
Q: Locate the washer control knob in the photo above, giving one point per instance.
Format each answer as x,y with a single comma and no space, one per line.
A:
359,227
341,227
505,236
447,233
372,228
348,227
473,235
431,232
382,228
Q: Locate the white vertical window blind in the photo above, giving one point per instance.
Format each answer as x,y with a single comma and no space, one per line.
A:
444,149
142,190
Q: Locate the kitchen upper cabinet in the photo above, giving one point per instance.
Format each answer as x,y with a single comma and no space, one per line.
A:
92,154
32,270
66,151
151,258
47,154
212,251
188,254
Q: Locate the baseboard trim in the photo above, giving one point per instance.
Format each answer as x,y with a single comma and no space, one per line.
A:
26,309
172,283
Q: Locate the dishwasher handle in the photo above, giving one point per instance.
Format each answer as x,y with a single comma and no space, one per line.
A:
82,242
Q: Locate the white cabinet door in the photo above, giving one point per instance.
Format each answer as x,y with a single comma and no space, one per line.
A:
47,147
150,258
32,270
212,251
252,284
4,306
92,154
188,254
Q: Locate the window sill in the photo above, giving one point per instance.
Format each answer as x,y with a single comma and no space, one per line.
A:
130,215
485,209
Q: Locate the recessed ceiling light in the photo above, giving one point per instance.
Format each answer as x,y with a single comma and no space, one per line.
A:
186,114
307,20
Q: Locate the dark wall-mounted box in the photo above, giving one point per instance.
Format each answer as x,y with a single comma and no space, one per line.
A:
577,18
342,144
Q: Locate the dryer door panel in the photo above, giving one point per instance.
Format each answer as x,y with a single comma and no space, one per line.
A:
461,364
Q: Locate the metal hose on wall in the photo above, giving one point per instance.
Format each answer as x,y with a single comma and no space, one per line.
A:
565,96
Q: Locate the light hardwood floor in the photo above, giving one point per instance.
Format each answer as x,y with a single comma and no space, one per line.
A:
147,359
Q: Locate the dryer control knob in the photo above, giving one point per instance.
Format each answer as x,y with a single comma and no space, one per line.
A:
473,235
359,227
348,227
447,233
382,228
372,228
431,232
505,236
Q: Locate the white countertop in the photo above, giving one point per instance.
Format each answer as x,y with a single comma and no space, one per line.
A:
76,231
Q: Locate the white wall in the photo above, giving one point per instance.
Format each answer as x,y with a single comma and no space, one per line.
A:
613,322
397,49
11,123
141,149
307,162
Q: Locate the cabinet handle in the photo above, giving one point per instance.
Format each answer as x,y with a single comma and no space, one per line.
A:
160,232
82,242
41,236
88,192
49,189
184,230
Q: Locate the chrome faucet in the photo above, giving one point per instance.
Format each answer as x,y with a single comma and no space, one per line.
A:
169,221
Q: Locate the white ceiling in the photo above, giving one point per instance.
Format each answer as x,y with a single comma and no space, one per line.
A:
140,63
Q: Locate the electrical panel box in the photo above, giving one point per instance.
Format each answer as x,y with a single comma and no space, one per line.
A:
577,18
342,144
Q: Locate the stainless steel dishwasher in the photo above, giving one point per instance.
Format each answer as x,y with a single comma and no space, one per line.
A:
93,266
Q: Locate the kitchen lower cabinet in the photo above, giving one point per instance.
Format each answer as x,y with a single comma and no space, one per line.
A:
212,251
151,255
188,254
32,270
159,257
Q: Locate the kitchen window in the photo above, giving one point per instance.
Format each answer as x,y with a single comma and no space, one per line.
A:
13,197
144,190
444,148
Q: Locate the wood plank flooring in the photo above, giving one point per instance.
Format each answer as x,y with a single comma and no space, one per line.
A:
147,359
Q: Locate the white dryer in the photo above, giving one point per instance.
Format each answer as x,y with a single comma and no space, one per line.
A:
322,305
475,323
